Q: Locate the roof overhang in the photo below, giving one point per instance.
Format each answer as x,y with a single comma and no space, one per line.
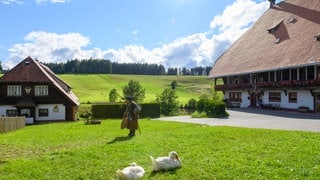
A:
25,102
266,70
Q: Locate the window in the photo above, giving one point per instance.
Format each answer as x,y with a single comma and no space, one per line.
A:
302,73
285,74
25,112
294,75
274,97
293,20
293,97
12,113
278,76
43,112
41,90
310,72
14,90
235,96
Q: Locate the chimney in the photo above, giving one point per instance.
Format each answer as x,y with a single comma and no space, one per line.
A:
272,2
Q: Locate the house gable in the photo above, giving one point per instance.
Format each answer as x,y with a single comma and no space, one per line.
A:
33,90
32,71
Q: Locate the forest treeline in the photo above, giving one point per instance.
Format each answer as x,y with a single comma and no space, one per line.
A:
103,66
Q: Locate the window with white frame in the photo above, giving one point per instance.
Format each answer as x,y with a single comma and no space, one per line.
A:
43,112
293,97
11,112
274,97
14,90
235,96
41,90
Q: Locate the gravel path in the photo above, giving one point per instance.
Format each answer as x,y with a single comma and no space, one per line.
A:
256,118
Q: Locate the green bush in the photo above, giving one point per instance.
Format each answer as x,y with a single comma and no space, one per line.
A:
211,107
192,104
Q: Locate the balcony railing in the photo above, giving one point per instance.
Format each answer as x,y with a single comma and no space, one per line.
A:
234,86
272,85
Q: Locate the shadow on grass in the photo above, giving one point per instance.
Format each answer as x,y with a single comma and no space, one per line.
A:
118,139
171,171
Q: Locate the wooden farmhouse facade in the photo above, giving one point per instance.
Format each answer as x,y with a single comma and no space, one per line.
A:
32,90
276,63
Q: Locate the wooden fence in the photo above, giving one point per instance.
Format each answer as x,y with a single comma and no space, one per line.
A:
11,123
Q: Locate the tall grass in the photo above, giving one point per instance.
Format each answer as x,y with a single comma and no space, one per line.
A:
78,151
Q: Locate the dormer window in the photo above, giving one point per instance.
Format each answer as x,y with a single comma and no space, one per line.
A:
293,20
275,27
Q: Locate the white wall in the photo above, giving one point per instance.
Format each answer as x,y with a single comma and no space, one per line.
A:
61,115
244,96
245,101
3,109
304,99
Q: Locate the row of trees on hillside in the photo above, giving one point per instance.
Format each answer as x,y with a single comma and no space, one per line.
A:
103,66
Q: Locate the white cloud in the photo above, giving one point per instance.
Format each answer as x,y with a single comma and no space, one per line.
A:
240,14
37,1
52,1
135,53
49,47
191,51
237,19
200,49
11,2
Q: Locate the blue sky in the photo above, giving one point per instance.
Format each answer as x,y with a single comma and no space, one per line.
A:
174,33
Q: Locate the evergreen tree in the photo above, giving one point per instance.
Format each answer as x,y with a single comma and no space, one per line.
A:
113,95
134,90
174,84
169,105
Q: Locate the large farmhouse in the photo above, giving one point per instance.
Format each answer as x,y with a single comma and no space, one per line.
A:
276,63
32,90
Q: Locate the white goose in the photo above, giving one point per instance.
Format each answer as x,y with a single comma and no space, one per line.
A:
166,163
132,172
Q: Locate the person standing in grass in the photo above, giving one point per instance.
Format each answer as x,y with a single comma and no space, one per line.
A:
132,113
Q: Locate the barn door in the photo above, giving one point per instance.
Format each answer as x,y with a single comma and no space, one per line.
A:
253,99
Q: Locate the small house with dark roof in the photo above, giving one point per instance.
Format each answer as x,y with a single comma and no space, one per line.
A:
32,90
276,63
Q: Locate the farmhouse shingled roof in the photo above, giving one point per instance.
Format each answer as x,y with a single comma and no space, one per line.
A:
286,35
32,71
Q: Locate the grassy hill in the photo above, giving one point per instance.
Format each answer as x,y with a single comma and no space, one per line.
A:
96,87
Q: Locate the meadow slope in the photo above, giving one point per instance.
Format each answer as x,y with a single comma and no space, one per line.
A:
96,87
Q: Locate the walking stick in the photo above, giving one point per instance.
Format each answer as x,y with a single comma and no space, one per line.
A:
139,129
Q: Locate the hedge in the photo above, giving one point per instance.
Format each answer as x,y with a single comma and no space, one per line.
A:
116,110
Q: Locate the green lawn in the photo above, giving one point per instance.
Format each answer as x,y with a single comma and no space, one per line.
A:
77,151
96,88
